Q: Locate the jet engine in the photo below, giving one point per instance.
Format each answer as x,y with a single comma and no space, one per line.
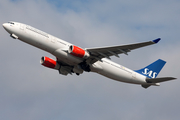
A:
50,63
78,52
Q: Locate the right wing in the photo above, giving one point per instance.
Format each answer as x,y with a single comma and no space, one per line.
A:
105,52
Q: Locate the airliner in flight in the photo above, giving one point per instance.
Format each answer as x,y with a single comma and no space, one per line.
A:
73,59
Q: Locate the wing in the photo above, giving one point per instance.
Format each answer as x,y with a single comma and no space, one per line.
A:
105,52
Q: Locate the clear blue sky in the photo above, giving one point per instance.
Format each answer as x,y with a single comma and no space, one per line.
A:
29,91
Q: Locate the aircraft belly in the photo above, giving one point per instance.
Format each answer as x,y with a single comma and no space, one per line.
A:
67,58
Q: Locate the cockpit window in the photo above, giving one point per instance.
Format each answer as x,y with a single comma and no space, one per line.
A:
11,23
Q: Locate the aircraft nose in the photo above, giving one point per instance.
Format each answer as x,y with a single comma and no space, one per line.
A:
4,25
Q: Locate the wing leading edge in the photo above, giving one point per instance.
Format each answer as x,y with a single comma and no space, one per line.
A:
105,52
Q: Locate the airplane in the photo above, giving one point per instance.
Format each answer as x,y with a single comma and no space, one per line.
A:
73,59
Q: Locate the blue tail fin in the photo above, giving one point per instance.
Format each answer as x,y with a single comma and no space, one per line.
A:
152,70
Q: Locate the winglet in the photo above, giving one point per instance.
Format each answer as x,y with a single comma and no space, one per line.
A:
156,40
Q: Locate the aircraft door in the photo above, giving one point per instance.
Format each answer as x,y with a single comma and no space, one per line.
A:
53,39
133,75
22,27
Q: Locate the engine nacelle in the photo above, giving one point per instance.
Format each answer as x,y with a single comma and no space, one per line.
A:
50,63
78,52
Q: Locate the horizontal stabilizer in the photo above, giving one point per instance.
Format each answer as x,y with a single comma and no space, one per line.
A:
157,80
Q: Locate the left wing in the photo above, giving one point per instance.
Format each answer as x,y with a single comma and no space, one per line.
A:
105,52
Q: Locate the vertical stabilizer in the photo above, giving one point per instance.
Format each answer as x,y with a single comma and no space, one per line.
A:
152,70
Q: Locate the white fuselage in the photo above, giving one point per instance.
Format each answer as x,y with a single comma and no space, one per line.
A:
58,48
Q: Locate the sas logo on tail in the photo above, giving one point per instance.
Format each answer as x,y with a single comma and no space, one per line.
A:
149,73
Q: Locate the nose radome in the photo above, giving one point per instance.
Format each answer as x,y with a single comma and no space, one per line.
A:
4,25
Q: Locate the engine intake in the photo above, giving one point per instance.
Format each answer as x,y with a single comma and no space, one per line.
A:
78,52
